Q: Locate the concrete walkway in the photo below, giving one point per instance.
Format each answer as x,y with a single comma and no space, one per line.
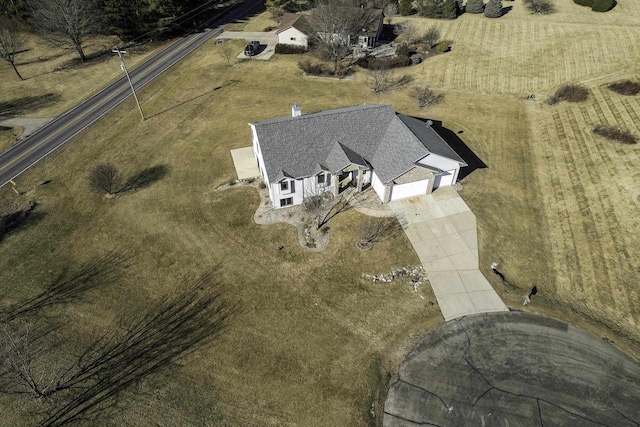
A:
443,232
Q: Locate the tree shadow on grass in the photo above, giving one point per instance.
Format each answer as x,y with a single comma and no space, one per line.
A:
70,285
27,104
20,219
139,347
145,178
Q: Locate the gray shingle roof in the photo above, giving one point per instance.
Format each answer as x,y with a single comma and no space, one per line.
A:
363,135
430,138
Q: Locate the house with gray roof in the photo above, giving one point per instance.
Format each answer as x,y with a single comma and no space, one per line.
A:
306,155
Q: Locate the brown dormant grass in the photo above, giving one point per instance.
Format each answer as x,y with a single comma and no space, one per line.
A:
310,343
54,71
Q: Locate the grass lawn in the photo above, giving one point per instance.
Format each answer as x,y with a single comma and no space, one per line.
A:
56,80
308,342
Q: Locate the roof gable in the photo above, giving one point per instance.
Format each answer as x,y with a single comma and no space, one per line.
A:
370,136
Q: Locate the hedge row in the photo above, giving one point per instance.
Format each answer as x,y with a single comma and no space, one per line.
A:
286,49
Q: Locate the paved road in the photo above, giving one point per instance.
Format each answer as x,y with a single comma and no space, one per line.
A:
22,156
514,369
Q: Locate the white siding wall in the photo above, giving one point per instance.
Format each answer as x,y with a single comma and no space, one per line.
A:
295,191
451,167
258,154
411,189
300,38
378,186
366,177
312,188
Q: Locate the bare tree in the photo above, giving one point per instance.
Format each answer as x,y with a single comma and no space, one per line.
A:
390,11
11,43
425,96
334,25
384,79
378,229
410,31
431,36
227,52
543,7
66,21
323,205
103,178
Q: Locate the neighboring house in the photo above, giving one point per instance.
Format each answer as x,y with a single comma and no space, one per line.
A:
305,155
297,29
294,30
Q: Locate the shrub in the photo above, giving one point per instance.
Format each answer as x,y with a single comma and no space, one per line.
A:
474,6
493,9
311,68
405,50
425,96
372,63
587,3
543,7
289,49
325,229
262,185
615,134
626,87
553,100
406,7
443,47
572,93
602,5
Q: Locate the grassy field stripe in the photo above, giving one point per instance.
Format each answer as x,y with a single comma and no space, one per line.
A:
580,220
564,200
595,236
551,200
622,153
632,114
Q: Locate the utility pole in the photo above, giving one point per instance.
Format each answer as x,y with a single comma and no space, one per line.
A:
124,68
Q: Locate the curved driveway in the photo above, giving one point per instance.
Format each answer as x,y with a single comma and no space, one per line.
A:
22,156
514,369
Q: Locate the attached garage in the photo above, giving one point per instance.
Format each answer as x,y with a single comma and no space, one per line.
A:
412,189
444,179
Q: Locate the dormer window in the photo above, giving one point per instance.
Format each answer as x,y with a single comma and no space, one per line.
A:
321,179
284,186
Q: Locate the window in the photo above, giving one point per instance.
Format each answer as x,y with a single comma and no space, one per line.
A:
293,39
321,179
284,186
286,202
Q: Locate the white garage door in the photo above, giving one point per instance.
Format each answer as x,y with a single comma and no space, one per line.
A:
444,180
412,189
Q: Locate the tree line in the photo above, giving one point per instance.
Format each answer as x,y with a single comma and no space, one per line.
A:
69,22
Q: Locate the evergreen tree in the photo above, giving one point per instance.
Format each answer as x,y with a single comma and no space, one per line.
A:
475,6
493,9
439,9
406,8
602,5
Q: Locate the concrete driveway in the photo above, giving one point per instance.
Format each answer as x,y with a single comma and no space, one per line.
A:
442,230
514,369
268,41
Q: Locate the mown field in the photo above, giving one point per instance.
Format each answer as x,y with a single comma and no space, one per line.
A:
307,341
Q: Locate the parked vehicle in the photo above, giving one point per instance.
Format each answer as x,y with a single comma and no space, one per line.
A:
252,48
